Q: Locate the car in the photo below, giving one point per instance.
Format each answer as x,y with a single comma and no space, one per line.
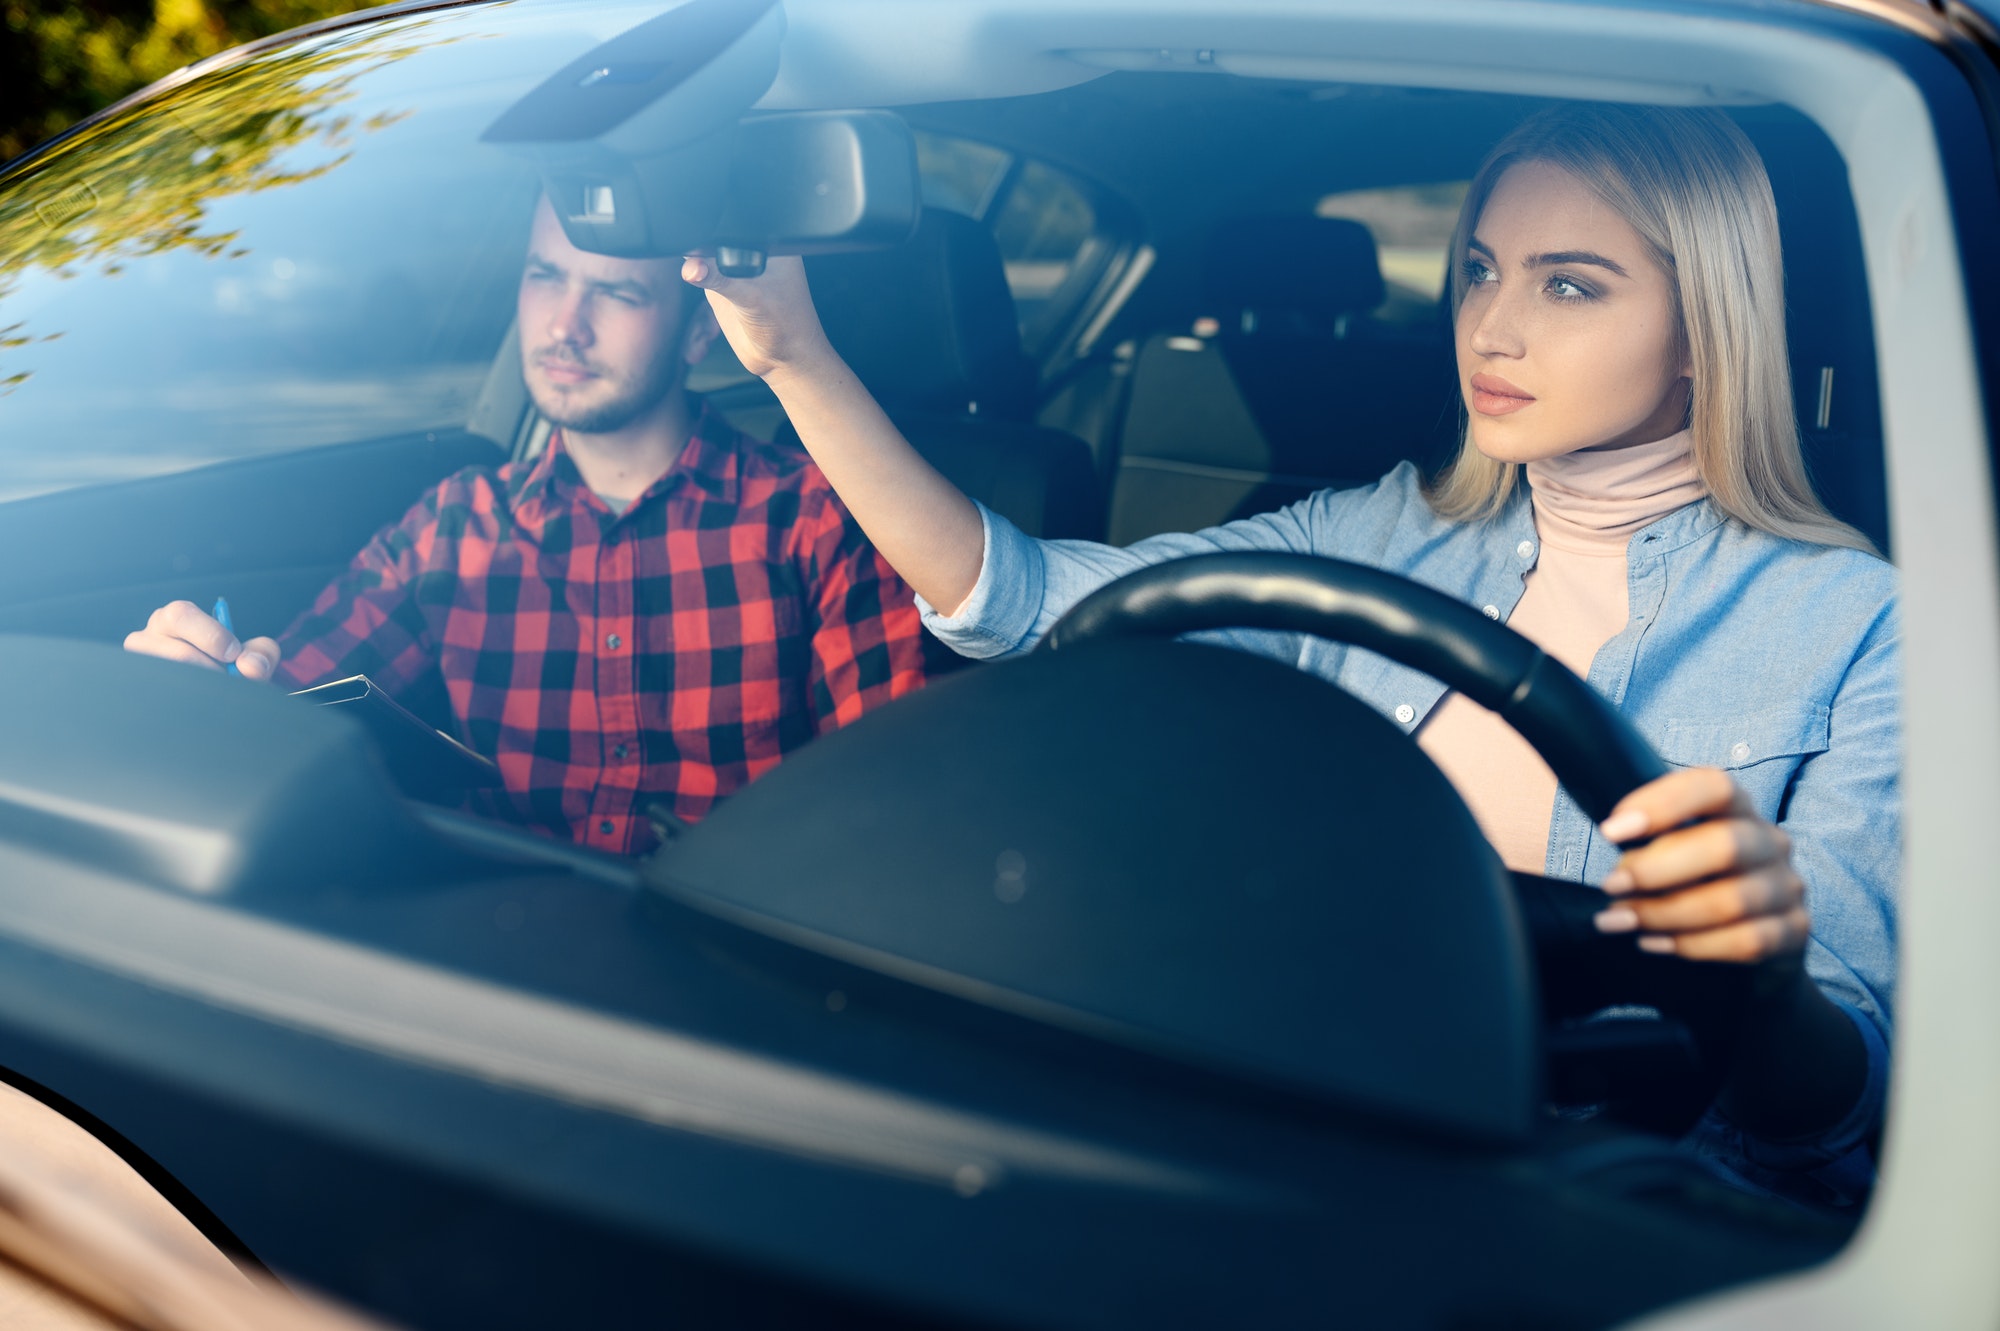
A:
1062,992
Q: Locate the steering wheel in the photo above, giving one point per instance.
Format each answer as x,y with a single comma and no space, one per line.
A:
1595,753
1206,858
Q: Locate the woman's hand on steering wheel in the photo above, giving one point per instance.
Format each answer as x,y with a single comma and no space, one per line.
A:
1714,883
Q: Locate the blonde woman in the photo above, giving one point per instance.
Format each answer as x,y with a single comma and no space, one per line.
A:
1630,495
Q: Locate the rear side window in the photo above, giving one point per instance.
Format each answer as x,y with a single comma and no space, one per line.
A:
1412,227
960,174
1050,234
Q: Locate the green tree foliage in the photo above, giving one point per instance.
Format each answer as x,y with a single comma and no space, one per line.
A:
139,185
60,60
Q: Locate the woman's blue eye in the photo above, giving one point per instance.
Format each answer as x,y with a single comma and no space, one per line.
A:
1568,288
1475,272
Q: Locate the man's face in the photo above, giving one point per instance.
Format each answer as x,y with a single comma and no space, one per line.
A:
603,340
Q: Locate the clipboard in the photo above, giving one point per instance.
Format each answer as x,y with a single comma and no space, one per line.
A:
427,764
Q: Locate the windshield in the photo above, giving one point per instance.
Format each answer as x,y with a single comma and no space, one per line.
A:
259,351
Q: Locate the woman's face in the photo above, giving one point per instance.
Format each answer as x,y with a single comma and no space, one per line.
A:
1567,338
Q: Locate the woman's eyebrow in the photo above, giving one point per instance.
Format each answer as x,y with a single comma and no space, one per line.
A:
1555,257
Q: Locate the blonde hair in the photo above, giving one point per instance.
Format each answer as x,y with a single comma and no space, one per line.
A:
1694,189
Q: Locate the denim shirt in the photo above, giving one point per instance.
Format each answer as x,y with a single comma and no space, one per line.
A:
1774,660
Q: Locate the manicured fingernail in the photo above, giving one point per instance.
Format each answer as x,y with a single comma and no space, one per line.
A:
1657,943
1617,920
1623,825
1619,880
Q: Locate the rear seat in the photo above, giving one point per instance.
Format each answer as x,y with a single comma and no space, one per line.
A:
1292,389
930,328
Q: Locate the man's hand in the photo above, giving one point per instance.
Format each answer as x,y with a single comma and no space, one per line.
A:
1715,884
182,631
770,320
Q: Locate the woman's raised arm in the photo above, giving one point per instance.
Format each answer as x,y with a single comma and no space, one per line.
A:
923,524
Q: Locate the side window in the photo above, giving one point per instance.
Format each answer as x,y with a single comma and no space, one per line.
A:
1412,226
1050,234
959,174
1047,232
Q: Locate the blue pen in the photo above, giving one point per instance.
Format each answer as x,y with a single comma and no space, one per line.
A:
221,616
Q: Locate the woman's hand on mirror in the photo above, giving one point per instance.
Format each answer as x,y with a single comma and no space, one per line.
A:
1715,882
769,320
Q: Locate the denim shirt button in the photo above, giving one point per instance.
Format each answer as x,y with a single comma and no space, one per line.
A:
1492,611
1739,751
1525,549
1405,713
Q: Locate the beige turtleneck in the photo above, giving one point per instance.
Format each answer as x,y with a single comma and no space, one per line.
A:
1587,507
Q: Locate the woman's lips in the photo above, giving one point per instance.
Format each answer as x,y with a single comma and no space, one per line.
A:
1494,396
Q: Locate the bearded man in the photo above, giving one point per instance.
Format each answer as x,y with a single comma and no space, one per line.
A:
646,615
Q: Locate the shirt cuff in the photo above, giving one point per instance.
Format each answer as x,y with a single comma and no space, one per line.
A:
999,616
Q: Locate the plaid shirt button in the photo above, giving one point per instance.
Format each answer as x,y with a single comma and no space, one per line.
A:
619,753
607,827
613,641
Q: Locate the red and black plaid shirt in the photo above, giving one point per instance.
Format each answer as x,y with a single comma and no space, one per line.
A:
671,654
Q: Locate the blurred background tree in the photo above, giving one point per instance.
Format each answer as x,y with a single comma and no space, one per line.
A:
60,60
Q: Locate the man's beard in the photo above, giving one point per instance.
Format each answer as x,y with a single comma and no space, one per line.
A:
629,399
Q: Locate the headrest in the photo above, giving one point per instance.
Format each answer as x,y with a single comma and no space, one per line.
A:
1321,267
929,326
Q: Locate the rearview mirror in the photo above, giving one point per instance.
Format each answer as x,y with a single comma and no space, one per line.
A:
817,182
810,182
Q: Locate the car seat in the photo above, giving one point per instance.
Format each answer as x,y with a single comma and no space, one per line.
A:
1828,327
930,328
1291,389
